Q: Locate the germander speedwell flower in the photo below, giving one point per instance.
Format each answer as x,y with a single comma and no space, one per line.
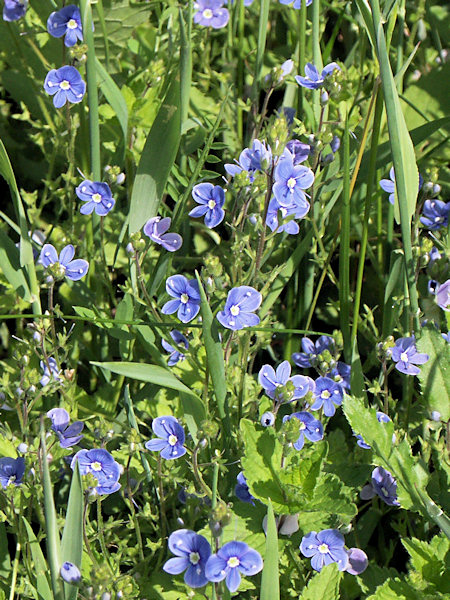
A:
99,463
328,394
256,158
187,298
239,308
66,21
14,10
211,199
309,427
65,266
313,80
324,548
69,435
97,196
406,357
11,471
175,355
65,85
192,552
230,561
210,13
70,572
171,435
156,229
290,181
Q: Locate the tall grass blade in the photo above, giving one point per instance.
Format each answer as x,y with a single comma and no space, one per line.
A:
214,354
26,250
157,158
270,579
344,254
72,537
10,266
51,526
261,47
114,97
40,565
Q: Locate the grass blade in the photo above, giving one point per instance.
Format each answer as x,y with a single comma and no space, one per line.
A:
114,97
214,354
10,266
51,526
270,580
344,254
157,159
40,565
72,537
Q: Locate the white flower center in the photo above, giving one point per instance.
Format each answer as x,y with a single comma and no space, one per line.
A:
291,182
208,13
283,211
211,204
194,557
64,85
96,198
235,310
404,357
325,394
96,466
72,24
172,439
184,298
302,426
233,562
323,548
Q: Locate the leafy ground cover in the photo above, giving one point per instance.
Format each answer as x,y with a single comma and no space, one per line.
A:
225,290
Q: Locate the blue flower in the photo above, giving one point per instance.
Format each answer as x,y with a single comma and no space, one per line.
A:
251,160
274,382
70,572
175,355
311,351
11,470
324,548
267,419
446,336
290,181
239,307
357,561
435,214
308,426
210,13
230,561
14,10
211,199
97,196
73,269
443,295
382,418
69,435
275,211
405,355
327,394
99,463
171,436
66,21
383,485
341,374
313,80
297,3
156,228
49,374
187,294
66,85
241,489
335,144
299,151
192,552
434,255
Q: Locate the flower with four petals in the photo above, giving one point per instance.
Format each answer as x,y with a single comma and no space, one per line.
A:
67,22
230,561
65,265
171,438
211,199
65,85
187,298
97,196
239,308
156,229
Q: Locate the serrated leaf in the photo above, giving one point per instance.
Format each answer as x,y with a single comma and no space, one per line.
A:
434,375
324,585
396,589
428,560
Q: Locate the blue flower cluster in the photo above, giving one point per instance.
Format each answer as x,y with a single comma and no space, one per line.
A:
328,546
193,556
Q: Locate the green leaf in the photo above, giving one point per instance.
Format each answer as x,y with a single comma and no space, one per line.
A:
150,373
40,568
396,589
428,559
157,159
324,585
270,579
114,97
5,563
51,526
214,355
26,250
410,473
434,375
72,537
10,266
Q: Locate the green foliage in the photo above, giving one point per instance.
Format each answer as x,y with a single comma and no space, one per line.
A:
323,585
434,375
270,579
